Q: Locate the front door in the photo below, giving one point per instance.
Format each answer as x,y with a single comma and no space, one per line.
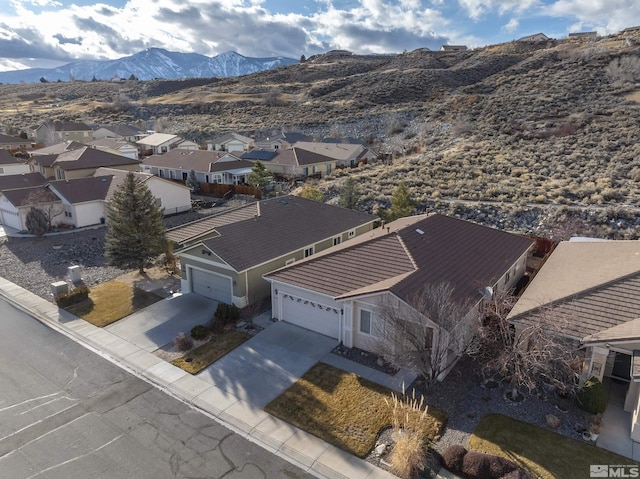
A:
621,367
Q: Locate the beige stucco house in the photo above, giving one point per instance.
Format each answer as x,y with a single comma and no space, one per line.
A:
83,162
596,285
230,142
228,262
339,292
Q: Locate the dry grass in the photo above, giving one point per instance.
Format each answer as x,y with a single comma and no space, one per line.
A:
211,351
344,409
545,453
111,301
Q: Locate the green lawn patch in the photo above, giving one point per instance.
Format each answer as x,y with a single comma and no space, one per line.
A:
343,409
111,301
211,351
545,453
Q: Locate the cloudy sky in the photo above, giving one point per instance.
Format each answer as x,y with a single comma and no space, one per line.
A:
47,33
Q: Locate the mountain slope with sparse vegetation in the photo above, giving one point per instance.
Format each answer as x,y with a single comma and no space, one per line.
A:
516,124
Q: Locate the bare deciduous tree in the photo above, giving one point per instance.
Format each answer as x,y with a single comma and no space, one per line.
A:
430,334
624,71
46,202
535,355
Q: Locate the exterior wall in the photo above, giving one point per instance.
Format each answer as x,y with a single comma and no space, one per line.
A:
174,198
360,339
10,214
79,136
514,273
61,174
129,153
193,257
188,145
232,145
86,214
14,169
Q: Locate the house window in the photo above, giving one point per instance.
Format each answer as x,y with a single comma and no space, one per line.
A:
328,168
337,240
506,277
305,171
351,234
308,251
276,147
365,321
289,261
1,171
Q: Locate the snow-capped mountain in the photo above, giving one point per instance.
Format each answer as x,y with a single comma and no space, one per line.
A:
149,64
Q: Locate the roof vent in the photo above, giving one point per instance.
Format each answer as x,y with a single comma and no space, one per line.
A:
487,292
419,231
284,202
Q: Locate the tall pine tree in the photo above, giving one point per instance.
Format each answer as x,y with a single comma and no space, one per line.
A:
136,230
401,204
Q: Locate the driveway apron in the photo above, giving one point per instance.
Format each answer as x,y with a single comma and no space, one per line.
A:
158,324
260,369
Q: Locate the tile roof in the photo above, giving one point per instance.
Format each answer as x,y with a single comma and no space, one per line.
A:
80,190
118,177
122,129
45,160
222,139
7,159
91,158
12,139
71,126
336,151
190,232
23,196
57,148
198,160
24,180
157,139
262,155
112,143
596,285
283,225
401,259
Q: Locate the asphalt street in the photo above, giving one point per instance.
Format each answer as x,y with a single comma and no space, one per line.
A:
66,412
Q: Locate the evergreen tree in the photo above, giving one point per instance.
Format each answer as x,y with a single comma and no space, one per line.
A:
192,182
349,195
136,229
259,176
36,222
401,204
310,192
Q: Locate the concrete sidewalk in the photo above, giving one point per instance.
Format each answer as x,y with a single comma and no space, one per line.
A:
298,447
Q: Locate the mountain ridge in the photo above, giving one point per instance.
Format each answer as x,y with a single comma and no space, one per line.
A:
150,64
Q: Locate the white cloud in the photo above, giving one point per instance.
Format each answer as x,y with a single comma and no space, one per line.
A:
476,9
511,26
608,16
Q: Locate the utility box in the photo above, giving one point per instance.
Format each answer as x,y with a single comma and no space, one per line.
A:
59,287
74,274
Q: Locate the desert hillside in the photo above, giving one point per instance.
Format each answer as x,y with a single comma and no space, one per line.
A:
545,130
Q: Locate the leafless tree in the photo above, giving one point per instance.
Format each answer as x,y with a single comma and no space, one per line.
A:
624,71
535,355
44,201
429,333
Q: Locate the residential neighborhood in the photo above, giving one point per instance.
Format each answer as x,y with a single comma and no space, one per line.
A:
313,284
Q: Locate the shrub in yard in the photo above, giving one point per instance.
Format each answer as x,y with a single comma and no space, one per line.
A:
227,313
75,296
592,397
477,465
199,332
183,342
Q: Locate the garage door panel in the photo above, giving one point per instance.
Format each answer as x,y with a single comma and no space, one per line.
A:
211,285
310,315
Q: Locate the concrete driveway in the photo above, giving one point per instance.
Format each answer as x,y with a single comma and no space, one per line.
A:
158,324
264,366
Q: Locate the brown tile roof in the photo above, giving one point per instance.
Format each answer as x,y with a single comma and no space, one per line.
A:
68,126
80,190
467,255
12,140
283,225
625,332
91,158
190,232
336,151
198,160
24,180
157,139
7,159
352,267
22,196
596,285
45,160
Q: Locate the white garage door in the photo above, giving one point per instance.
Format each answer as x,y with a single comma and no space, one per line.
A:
11,219
211,285
312,316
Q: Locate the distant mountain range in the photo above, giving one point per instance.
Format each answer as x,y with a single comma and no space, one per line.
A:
149,64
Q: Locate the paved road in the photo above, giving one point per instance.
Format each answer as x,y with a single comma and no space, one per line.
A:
65,412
